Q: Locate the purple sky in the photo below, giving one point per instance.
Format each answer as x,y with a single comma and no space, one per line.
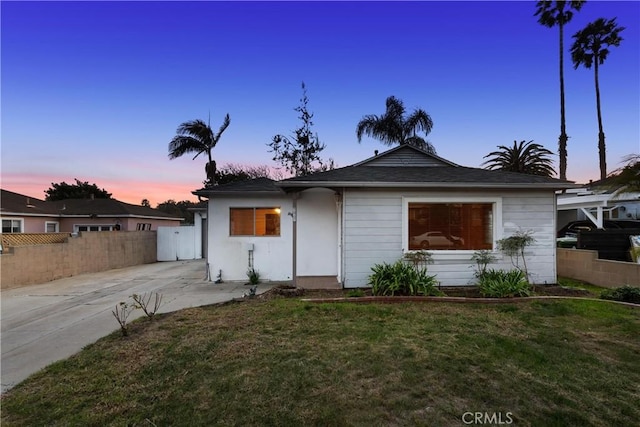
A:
96,90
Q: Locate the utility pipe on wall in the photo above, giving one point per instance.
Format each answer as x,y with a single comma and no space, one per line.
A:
294,216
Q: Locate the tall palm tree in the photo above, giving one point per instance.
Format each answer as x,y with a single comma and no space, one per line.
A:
523,157
591,47
393,128
552,13
196,136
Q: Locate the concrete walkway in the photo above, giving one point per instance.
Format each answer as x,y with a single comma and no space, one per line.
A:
45,323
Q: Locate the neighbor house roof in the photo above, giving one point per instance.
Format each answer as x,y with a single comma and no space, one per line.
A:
16,203
107,208
19,204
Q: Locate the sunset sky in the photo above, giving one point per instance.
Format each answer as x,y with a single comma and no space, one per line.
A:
96,90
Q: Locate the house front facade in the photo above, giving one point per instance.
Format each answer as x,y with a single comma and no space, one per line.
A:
330,228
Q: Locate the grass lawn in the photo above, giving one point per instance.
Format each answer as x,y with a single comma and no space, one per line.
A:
288,362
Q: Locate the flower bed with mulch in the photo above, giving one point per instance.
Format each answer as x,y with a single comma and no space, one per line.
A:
451,293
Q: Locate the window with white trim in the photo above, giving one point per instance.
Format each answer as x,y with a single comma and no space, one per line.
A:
51,227
101,227
449,224
11,225
254,221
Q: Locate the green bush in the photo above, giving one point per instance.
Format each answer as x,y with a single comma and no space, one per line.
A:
625,294
402,279
355,293
503,284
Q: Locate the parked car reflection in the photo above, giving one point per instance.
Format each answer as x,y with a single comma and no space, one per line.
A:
436,240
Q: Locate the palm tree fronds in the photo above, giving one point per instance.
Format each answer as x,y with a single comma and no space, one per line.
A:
523,157
181,145
393,128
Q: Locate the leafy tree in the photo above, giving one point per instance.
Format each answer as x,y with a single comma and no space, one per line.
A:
393,128
523,157
234,172
591,47
79,190
300,154
552,13
197,137
145,203
179,209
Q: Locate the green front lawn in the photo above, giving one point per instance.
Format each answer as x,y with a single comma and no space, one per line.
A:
289,362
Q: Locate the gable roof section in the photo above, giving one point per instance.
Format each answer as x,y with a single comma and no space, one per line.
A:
405,155
257,186
407,166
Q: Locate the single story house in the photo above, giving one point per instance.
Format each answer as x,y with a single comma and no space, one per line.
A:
329,228
26,214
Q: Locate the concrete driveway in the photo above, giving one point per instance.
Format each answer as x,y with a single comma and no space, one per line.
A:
45,323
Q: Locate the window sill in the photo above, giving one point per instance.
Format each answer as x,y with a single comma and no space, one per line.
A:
453,255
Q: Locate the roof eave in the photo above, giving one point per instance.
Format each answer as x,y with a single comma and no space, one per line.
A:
369,184
209,194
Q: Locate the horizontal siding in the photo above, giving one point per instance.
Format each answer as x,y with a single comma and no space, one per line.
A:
373,234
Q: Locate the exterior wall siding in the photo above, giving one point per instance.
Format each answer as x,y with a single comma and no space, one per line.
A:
373,227
317,233
272,255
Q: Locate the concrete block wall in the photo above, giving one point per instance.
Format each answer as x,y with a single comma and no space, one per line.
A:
88,253
585,266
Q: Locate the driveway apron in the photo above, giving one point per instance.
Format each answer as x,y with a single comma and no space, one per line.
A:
45,323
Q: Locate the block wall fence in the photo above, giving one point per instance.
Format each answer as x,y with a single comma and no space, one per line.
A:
585,266
88,253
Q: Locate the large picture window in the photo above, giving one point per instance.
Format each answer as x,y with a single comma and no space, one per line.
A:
450,226
254,221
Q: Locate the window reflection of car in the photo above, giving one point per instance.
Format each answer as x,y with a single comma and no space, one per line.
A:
436,239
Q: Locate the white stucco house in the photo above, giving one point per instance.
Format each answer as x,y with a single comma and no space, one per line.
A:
330,228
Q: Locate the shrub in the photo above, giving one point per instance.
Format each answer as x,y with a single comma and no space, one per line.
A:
254,276
624,294
400,278
355,293
482,258
503,284
418,259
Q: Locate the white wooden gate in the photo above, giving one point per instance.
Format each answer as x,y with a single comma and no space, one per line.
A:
177,243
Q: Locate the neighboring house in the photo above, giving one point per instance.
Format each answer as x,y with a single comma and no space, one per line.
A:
597,201
330,228
25,214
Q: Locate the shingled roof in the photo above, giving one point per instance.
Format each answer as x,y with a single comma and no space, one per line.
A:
407,166
255,186
400,167
427,177
107,207
15,203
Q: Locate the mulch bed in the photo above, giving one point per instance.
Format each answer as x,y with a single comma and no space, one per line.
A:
460,291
